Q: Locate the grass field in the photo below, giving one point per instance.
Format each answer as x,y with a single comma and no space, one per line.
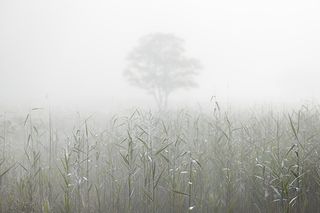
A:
178,161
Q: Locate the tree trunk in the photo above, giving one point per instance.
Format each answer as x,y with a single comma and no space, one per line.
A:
161,98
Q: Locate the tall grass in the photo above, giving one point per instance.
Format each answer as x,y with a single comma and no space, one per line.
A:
182,161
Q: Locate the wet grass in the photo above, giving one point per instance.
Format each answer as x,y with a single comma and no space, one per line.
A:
162,162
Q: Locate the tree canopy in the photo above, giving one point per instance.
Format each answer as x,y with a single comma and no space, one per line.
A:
159,65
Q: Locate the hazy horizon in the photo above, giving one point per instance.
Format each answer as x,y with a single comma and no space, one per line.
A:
74,51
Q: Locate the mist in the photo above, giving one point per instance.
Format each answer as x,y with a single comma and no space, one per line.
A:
74,52
154,106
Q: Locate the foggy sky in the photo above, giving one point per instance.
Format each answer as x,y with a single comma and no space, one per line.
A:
75,51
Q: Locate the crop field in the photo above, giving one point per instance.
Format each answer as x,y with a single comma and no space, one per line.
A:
181,161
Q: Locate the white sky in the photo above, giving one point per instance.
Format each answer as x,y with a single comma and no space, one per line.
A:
75,50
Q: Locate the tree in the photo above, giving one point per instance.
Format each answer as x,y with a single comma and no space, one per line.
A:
159,66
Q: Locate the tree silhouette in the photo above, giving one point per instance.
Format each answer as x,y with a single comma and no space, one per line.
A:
159,66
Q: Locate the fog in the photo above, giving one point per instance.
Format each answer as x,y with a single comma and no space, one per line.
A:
159,106
74,52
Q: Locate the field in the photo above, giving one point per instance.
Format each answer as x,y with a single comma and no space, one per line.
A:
177,161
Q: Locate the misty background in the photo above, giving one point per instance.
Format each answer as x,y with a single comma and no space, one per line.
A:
73,53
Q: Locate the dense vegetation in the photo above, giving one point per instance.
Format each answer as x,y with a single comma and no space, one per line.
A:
181,161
